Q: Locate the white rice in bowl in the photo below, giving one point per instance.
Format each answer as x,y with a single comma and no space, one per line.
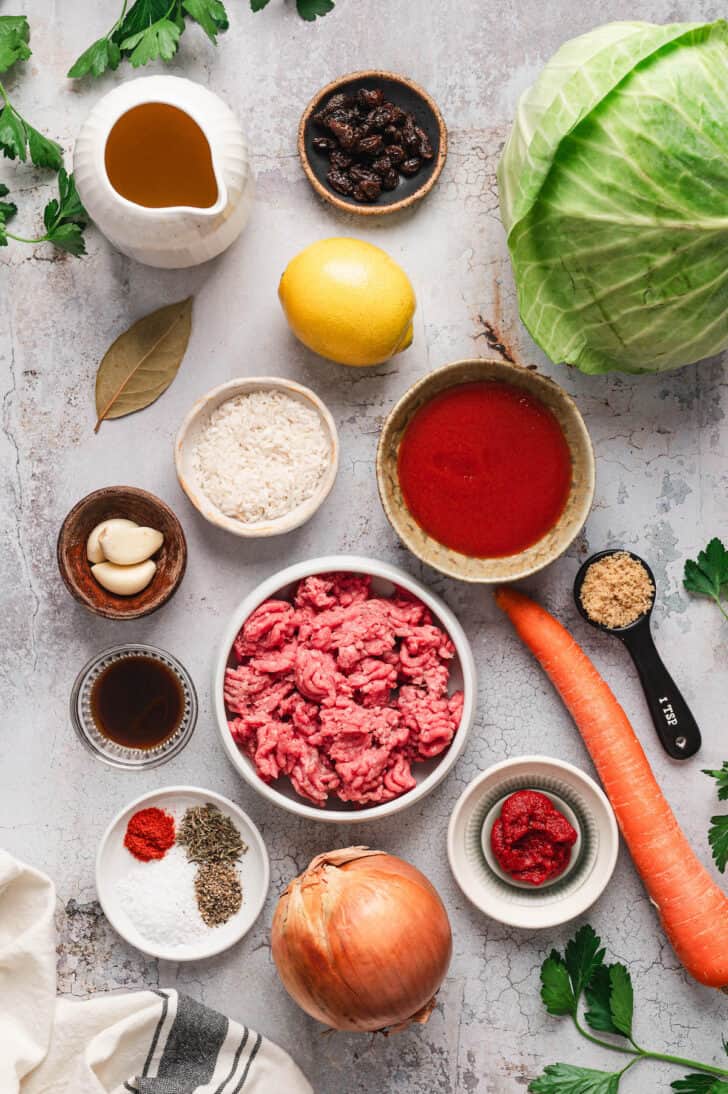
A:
260,455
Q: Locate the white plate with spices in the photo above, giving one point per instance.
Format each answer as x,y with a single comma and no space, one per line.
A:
257,455
160,905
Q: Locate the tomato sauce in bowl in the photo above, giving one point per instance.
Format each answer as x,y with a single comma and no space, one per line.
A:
485,469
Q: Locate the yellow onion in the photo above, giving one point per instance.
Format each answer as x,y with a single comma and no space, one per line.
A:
362,941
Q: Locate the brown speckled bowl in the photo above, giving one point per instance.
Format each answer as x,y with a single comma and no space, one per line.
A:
145,509
405,94
556,541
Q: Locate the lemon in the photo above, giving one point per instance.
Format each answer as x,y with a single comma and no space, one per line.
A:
349,301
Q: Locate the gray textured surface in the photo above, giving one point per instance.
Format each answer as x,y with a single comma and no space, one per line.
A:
662,478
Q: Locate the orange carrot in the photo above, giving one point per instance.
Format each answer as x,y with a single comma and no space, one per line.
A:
692,908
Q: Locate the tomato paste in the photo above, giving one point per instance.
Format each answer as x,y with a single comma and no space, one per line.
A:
531,839
485,469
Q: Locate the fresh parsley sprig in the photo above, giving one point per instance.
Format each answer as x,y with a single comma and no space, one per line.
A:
718,831
64,219
17,136
149,30
307,9
708,575
607,992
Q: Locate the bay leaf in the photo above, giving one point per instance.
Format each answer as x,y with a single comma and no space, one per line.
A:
143,361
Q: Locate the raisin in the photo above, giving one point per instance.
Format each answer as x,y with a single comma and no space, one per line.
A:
381,117
343,131
409,136
370,146
340,101
340,159
390,180
368,190
396,154
382,166
360,173
324,144
339,181
370,98
411,166
424,147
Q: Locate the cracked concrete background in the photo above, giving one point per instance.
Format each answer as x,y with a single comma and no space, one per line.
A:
661,444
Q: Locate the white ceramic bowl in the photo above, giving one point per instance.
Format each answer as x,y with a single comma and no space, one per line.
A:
193,425
113,861
463,676
566,897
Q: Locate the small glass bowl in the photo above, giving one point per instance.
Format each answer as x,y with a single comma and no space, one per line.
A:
109,751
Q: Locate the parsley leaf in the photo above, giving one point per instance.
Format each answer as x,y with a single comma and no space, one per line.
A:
556,989
709,574
102,55
210,14
309,9
598,991
610,998
8,209
721,778
13,139
621,999
258,5
14,38
159,41
700,1084
17,136
718,840
141,16
65,218
567,1079
583,957
43,151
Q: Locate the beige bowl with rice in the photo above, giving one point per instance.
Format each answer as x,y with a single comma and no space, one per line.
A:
258,455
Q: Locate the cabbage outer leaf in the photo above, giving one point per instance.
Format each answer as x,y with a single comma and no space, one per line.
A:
614,194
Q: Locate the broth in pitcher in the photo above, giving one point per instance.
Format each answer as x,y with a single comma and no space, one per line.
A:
157,156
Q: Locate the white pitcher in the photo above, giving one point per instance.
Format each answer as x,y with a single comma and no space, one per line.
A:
175,236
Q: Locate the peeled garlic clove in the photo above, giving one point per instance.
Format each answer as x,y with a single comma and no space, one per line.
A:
93,547
127,546
124,580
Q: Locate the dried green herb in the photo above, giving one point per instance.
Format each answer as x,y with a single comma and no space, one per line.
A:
219,892
210,836
143,361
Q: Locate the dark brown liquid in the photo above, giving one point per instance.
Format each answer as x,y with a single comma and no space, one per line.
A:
137,702
157,156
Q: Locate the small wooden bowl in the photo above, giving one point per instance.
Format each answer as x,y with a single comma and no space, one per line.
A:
403,93
136,505
569,524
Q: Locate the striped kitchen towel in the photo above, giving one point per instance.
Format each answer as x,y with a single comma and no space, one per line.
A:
144,1042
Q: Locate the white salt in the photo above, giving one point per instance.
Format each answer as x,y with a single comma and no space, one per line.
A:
159,899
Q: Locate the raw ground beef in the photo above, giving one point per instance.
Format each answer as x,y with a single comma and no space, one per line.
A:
342,691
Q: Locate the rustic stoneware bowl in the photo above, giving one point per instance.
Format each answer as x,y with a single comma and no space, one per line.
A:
453,563
403,93
196,420
145,509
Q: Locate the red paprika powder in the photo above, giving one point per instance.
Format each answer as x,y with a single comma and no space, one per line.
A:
149,834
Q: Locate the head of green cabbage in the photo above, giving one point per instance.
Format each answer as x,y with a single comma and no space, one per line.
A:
614,195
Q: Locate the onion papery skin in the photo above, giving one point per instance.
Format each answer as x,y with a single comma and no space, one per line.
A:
362,941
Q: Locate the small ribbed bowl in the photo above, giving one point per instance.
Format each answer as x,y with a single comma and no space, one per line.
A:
533,907
109,751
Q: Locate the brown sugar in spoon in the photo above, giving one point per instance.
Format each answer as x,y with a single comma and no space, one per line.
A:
676,727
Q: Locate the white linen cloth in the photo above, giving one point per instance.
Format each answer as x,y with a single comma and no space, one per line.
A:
144,1042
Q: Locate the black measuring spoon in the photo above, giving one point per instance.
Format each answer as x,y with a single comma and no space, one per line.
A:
677,729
